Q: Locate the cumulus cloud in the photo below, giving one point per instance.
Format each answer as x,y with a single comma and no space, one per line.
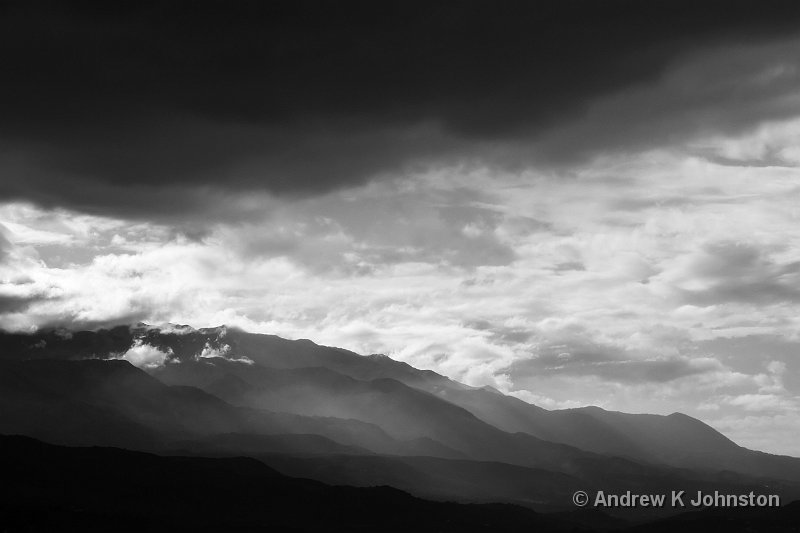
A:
145,356
221,352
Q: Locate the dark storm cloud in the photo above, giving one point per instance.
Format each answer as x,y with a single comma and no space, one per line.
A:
162,107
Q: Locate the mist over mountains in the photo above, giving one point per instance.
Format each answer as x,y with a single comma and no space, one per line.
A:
337,417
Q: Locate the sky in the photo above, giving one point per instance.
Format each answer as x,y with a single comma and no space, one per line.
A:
575,202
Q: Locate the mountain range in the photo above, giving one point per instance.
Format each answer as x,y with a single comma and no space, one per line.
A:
304,411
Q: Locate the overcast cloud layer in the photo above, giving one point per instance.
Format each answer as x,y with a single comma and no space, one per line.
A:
157,108
576,202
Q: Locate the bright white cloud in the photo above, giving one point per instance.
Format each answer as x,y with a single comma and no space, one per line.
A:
222,352
145,356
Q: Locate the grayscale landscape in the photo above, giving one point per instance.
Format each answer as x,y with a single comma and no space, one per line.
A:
400,266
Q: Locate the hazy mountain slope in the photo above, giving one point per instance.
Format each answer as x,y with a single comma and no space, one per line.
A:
250,444
683,441
185,417
112,402
403,410
514,415
674,440
397,408
178,417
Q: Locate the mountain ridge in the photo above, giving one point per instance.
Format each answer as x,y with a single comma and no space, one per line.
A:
677,441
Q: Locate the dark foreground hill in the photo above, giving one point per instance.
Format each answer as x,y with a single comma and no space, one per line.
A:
54,488
743,520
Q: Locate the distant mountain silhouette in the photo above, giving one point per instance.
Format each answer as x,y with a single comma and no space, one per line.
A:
250,444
